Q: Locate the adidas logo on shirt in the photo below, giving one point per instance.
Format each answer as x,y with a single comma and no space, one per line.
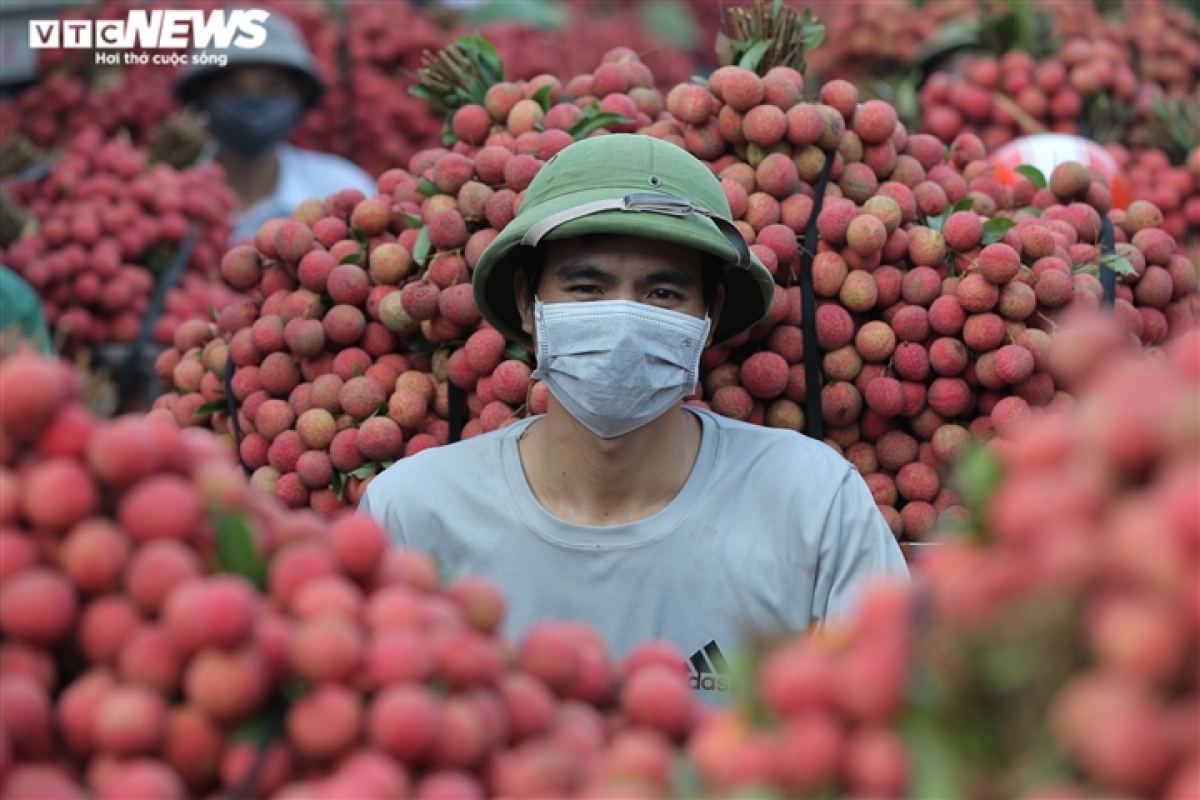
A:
710,670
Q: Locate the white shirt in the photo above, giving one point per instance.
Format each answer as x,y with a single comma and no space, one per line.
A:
302,174
772,532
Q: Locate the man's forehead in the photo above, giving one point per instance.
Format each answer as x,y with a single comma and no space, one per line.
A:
608,249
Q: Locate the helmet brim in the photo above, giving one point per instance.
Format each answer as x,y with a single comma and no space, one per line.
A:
748,290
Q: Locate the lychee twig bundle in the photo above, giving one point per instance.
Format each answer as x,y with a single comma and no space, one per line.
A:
458,74
765,38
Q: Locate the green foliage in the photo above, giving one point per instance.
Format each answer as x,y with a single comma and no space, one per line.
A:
458,75
422,247
1034,175
237,550
763,38
212,407
537,13
518,352
594,119
672,22
994,229
542,96
1019,27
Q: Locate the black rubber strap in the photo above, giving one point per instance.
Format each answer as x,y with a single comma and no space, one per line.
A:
1108,276
131,367
232,405
457,405
814,421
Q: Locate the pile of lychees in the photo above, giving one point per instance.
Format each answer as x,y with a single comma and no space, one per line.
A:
169,632
108,225
1047,649
937,288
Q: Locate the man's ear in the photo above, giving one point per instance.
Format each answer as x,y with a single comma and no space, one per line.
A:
523,306
714,314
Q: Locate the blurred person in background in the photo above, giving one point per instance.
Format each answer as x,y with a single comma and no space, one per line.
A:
252,105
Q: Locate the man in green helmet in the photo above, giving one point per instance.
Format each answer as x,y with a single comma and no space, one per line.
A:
621,506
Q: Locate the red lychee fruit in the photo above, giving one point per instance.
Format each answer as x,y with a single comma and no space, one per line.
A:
963,230
874,121
841,95
472,124
999,263
293,240
741,88
764,374
1070,180
690,103
361,397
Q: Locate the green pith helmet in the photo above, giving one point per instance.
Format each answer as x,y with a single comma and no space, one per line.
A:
284,48
629,185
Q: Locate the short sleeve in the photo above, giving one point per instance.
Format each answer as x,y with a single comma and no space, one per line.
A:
372,506
856,546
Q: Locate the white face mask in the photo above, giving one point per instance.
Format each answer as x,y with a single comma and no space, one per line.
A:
615,364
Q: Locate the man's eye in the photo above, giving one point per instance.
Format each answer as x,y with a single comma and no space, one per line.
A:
665,294
585,289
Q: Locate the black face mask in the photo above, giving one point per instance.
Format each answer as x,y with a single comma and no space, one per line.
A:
249,125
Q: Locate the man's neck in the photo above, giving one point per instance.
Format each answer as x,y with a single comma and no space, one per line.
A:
252,181
581,478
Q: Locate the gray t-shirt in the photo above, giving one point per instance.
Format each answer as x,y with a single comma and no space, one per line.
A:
772,531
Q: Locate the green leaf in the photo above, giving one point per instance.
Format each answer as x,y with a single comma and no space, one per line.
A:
813,33
590,124
966,204
214,313
994,229
422,247
213,407
542,96
412,221
255,729
1034,175
360,237
1118,264
1037,212
485,55
357,371
535,13
365,471
936,772
427,188
977,476
700,80
339,484
517,352
237,552
751,57
352,258
674,23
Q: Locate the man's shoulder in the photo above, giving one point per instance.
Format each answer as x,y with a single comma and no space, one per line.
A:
744,439
432,472
326,167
